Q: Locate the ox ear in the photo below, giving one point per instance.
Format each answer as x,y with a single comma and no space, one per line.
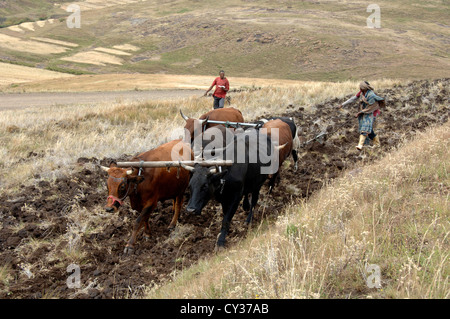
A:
204,121
136,179
187,167
215,177
280,147
113,164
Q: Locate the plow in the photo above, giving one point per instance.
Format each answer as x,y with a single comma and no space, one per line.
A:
321,138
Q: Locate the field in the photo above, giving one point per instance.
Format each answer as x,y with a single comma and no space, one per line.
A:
56,196
124,82
15,74
74,99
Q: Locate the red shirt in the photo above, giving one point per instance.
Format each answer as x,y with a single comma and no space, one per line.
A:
219,92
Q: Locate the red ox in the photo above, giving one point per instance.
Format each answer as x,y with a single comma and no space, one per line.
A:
145,190
285,139
229,114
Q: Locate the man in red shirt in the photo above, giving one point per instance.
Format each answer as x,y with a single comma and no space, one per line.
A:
222,87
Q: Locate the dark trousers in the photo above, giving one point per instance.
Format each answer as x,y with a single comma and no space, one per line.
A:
219,102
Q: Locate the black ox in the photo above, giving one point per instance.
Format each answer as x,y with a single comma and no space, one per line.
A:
228,185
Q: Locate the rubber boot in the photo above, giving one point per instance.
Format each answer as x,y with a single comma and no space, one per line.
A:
362,139
376,141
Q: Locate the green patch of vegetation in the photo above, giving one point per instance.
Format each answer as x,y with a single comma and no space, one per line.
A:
20,11
292,230
66,70
13,21
18,63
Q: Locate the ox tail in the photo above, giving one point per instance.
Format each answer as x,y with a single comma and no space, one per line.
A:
296,140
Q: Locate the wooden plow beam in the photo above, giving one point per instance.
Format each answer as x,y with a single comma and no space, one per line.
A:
232,124
156,164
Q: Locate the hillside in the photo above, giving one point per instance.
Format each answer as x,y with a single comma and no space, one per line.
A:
299,40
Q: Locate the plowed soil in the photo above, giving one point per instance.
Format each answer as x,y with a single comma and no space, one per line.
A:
39,214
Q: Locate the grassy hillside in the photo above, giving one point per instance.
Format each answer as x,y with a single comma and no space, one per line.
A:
300,40
393,213
14,12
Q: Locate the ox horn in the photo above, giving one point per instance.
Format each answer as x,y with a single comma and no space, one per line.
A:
198,156
186,167
280,147
129,172
204,120
106,169
183,116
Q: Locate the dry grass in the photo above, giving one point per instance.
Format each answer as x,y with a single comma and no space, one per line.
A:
394,214
98,4
18,44
5,276
93,57
108,82
126,47
16,28
124,82
58,42
28,26
112,51
12,73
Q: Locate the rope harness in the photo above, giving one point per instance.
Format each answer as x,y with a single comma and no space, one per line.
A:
120,200
222,185
141,163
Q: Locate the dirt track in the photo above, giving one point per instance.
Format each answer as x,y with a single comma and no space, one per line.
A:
40,212
12,101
